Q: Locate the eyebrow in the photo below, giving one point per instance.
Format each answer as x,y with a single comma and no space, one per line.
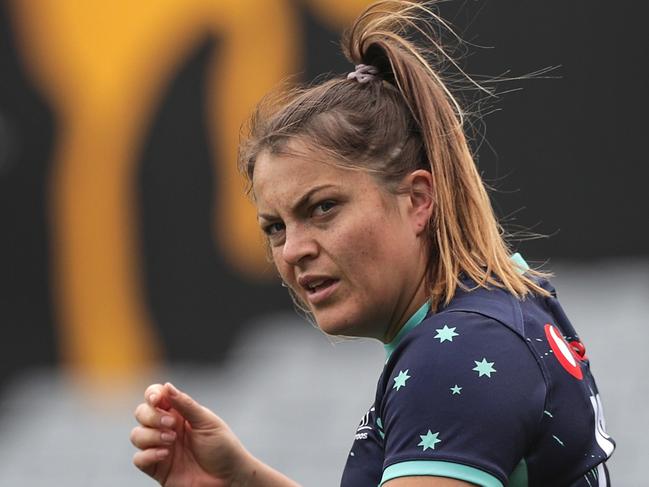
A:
301,202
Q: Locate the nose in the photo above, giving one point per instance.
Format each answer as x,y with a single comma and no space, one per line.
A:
299,245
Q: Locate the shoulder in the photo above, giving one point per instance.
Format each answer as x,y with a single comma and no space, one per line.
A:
475,320
482,334
464,389
473,352
461,345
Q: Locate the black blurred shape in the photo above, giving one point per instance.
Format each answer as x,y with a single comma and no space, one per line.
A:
26,135
569,157
323,55
198,302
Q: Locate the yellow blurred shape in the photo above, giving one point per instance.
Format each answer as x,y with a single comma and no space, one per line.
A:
103,66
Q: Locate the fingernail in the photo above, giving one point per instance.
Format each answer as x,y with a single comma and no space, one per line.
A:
168,436
162,453
167,421
172,389
153,398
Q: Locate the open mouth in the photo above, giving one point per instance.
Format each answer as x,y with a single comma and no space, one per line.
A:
319,290
319,285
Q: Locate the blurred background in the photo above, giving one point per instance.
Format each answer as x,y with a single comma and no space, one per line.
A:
128,254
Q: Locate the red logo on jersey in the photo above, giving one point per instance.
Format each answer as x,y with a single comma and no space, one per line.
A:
567,357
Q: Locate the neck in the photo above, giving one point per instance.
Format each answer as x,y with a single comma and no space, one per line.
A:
418,298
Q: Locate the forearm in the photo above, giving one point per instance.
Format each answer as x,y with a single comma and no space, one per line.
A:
255,473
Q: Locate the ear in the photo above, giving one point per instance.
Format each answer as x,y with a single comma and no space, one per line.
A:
418,186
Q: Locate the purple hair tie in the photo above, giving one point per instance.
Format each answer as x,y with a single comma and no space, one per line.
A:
363,73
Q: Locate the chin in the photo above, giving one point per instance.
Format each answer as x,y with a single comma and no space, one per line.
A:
336,325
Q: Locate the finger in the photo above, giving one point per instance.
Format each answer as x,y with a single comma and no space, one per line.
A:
144,438
147,460
154,395
198,416
152,417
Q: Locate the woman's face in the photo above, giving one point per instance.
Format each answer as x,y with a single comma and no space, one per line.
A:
349,249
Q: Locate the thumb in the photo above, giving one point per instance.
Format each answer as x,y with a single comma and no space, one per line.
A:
199,417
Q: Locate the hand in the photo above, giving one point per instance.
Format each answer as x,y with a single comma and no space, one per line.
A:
183,443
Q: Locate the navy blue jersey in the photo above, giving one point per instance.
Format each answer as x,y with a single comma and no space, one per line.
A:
491,390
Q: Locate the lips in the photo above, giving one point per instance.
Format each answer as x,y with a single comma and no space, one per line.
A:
319,284
318,288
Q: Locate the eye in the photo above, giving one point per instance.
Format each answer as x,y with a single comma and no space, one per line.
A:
324,207
273,228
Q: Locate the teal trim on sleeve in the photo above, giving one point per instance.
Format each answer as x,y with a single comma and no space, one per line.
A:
414,320
518,260
436,468
518,478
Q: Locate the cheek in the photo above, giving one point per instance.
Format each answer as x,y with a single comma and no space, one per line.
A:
364,252
280,265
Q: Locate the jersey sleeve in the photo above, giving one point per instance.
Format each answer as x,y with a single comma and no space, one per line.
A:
463,396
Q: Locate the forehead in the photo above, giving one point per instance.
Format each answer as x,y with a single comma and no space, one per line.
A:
280,179
300,168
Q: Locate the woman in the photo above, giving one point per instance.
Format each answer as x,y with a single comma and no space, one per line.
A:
379,224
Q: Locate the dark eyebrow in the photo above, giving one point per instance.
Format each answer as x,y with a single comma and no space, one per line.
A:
301,202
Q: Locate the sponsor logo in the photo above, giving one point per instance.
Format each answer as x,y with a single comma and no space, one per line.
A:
364,426
601,436
565,354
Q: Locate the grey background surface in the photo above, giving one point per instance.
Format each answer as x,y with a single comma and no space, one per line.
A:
294,398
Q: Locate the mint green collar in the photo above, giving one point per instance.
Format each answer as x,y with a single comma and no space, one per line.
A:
414,320
518,260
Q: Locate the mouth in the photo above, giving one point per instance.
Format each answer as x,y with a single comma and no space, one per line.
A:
319,289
